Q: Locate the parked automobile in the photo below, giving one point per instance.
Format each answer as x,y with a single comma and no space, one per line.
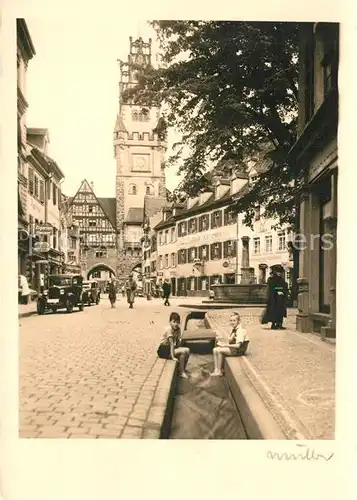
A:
91,292
64,291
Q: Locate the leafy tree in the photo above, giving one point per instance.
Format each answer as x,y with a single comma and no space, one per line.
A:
230,88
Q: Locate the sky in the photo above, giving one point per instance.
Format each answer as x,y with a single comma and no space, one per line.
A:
73,91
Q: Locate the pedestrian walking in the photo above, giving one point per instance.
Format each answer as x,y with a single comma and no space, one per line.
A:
277,296
42,282
112,293
166,291
24,289
231,346
170,344
130,287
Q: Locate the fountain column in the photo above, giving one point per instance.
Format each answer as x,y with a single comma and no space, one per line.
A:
245,261
262,279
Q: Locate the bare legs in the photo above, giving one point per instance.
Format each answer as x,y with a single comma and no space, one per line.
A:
182,353
218,358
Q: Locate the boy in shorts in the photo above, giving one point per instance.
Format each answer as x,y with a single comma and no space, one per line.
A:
170,344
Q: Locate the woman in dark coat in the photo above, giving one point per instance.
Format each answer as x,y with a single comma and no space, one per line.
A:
112,293
276,299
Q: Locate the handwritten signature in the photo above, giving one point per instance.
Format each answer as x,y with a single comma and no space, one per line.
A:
305,454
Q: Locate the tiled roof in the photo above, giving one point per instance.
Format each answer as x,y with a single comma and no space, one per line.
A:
109,207
152,205
165,223
135,215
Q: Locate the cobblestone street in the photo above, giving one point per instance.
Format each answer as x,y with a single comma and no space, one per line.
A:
92,373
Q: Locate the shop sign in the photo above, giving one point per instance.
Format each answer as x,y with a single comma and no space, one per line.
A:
198,239
41,246
43,229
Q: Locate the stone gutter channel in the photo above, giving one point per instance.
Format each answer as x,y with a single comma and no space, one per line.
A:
201,407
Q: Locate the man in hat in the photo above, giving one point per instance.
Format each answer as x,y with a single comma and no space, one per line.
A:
276,298
130,287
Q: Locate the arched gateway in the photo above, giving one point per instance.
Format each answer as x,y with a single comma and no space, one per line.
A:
95,271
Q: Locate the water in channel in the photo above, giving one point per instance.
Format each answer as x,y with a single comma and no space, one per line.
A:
203,407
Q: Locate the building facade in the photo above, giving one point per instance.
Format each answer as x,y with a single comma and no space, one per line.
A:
202,242
95,218
139,153
25,52
43,209
70,240
315,152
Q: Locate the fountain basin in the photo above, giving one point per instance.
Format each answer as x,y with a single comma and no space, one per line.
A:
240,294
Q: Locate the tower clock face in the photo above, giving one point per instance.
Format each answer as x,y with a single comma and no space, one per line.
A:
140,163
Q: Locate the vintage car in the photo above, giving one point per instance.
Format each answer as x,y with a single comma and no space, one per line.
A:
91,292
64,291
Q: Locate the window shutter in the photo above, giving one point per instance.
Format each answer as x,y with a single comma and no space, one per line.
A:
234,249
212,251
226,216
49,190
220,218
212,221
42,191
220,249
225,249
31,180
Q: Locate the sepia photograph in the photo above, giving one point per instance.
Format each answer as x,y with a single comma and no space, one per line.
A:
177,229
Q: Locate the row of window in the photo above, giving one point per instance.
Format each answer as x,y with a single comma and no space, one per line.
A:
87,209
85,197
37,187
102,238
269,243
215,251
227,250
218,218
133,189
140,116
95,224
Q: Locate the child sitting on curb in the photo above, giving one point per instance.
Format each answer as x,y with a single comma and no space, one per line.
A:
230,346
169,347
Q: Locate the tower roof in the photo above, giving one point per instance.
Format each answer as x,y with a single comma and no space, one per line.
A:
119,124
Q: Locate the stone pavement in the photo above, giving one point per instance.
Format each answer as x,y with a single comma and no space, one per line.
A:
27,309
94,374
293,373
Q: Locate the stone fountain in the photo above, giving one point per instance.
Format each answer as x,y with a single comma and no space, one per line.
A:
246,292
